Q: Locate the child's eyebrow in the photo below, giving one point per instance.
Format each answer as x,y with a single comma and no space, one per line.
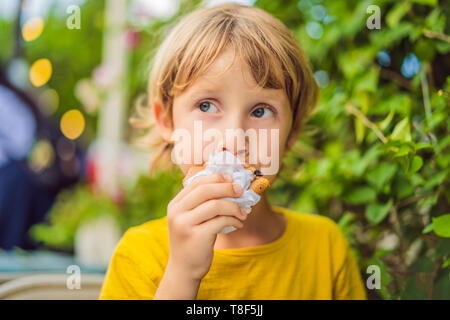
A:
205,91
264,94
201,93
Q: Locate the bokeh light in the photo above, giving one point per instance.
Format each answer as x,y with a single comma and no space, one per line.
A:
41,156
65,149
17,72
314,30
322,78
40,72
49,99
410,66
32,29
384,59
72,124
318,12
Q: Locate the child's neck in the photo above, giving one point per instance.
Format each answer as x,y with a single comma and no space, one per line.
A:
262,226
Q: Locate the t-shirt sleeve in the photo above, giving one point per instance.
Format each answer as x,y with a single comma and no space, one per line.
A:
125,280
348,284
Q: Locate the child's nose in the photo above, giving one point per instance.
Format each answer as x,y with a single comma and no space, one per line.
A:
241,153
233,151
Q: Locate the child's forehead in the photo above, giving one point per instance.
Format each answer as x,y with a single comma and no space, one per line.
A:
230,70
227,68
204,87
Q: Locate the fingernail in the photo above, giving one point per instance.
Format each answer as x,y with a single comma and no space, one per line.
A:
227,177
237,188
244,212
248,210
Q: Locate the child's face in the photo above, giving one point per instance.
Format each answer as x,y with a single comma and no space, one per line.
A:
226,102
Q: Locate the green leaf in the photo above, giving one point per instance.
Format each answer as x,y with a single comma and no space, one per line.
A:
402,131
404,162
446,263
429,201
423,145
397,13
425,49
361,195
441,225
435,21
403,151
435,180
387,37
368,81
416,164
443,47
384,124
375,212
382,174
428,228
360,130
432,3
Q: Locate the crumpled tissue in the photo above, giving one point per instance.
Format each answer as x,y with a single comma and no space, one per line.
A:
225,162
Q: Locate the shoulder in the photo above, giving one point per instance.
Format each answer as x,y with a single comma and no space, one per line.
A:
320,238
150,229
316,231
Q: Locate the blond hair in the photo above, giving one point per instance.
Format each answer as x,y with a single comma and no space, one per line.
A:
272,52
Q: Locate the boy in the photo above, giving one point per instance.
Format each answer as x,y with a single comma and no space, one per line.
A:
230,67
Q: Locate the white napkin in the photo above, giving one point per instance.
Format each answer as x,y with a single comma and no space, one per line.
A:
226,162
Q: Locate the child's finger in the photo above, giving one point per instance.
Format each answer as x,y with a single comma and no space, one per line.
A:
209,209
205,192
216,224
211,178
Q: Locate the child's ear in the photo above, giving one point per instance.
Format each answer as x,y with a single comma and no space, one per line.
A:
163,121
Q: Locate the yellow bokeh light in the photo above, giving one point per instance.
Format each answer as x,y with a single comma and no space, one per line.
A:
40,72
72,124
32,28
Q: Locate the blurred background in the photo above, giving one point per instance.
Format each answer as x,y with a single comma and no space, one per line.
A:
374,157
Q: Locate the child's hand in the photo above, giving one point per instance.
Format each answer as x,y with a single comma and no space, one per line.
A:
195,216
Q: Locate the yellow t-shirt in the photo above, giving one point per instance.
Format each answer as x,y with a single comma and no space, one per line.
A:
310,260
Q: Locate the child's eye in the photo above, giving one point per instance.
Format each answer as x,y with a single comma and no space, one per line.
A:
262,112
207,106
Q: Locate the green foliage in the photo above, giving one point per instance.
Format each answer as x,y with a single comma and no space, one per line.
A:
375,156
145,200
441,225
72,207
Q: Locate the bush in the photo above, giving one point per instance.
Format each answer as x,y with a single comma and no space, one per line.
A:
376,155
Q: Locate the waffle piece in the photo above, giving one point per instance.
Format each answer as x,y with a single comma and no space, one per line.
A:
259,185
